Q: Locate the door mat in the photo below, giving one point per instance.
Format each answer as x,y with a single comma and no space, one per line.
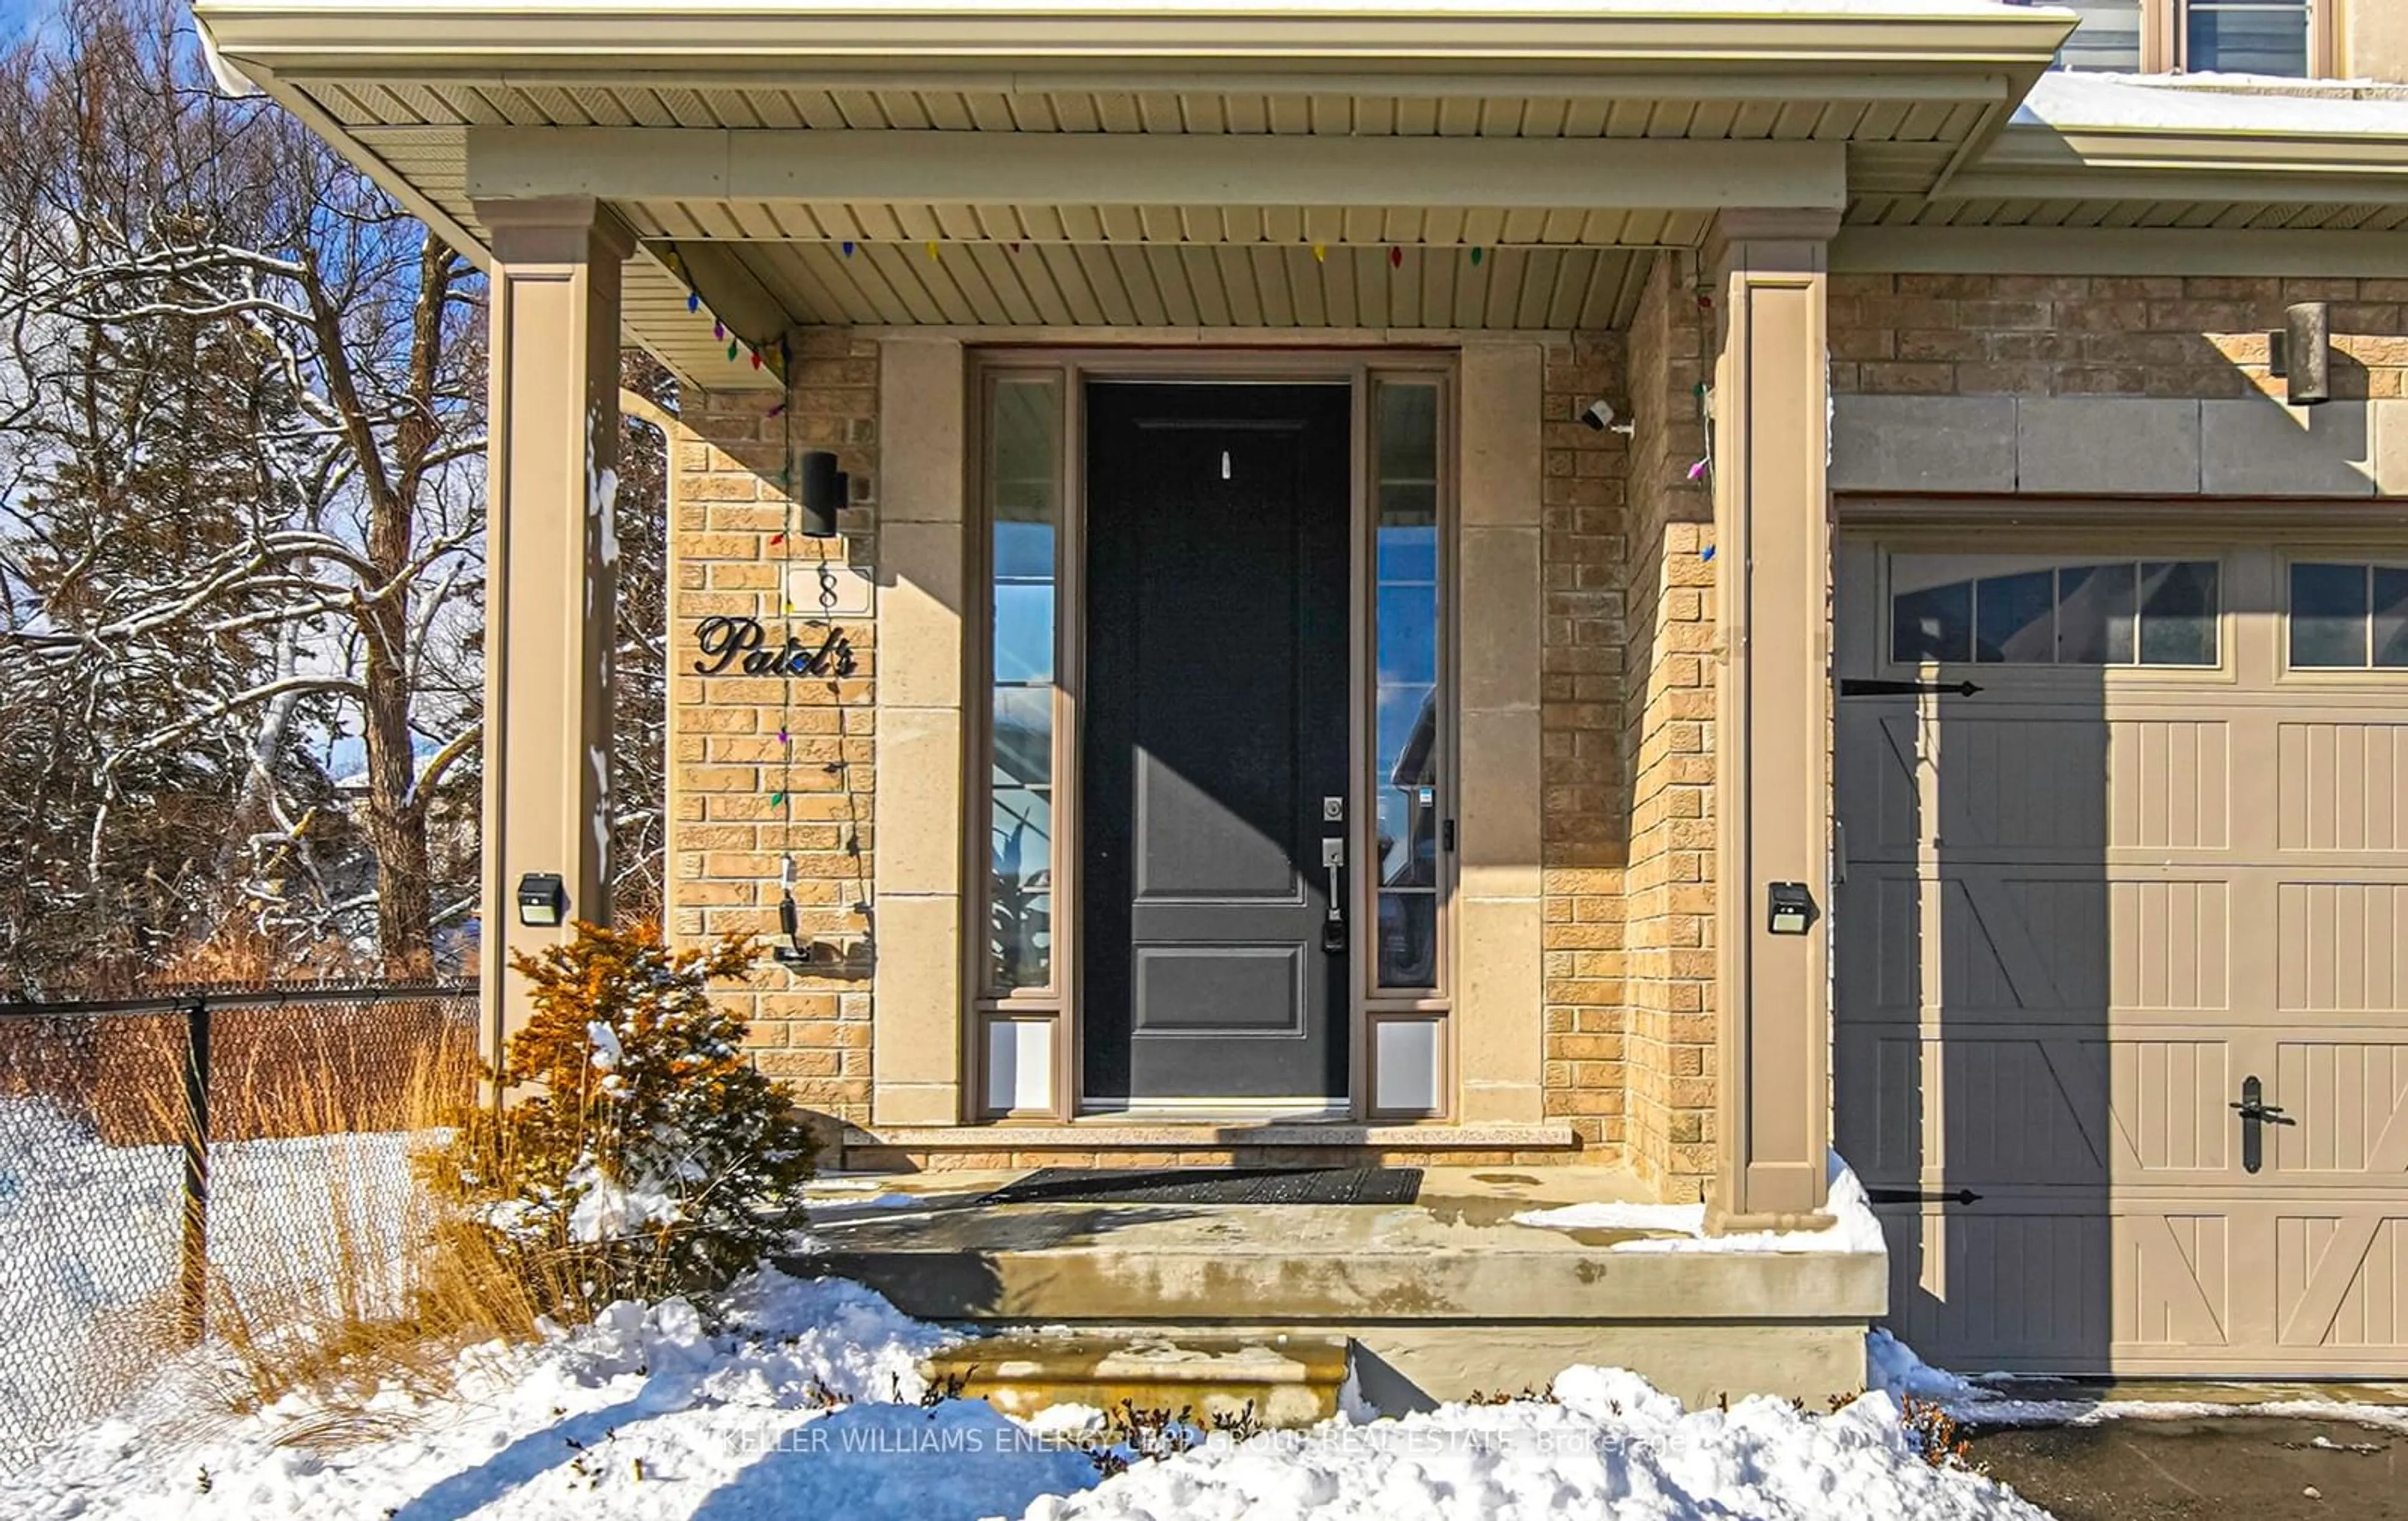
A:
1212,1185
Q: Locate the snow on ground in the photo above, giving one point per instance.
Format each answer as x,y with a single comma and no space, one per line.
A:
1611,1447
95,1233
1997,1400
1852,1227
651,1415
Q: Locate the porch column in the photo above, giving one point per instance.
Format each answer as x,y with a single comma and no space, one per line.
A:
551,571
917,1055
1500,1035
1773,711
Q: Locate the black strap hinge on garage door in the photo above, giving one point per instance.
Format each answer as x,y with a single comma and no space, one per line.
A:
1857,686
1919,1196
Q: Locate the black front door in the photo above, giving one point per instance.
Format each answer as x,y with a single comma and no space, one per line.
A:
1215,713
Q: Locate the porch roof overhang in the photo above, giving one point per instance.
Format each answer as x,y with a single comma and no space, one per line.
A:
1064,163
1067,162
2280,162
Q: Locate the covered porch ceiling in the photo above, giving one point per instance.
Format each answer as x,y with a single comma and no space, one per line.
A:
1240,163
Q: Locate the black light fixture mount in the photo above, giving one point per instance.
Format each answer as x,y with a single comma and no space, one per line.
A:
2301,354
824,489
543,901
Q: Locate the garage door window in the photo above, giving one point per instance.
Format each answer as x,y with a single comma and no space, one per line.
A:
2348,617
2120,613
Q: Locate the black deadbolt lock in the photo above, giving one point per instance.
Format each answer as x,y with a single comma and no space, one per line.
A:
1793,908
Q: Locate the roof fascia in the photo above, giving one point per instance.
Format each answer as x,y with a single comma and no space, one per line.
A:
2049,163
307,37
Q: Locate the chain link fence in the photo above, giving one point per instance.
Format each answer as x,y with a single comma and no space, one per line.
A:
170,1164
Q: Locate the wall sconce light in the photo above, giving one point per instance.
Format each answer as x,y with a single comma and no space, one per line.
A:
825,490
2302,354
543,901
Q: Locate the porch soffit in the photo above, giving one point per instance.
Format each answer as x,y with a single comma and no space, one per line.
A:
1902,92
1915,96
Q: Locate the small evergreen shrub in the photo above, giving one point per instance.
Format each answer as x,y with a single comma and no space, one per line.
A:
641,1153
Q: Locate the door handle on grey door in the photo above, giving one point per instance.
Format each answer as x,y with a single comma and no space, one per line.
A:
1333,927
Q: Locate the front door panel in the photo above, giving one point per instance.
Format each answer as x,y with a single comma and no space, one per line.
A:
1215,724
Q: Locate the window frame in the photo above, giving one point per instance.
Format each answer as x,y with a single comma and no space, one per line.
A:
1058,1007
2165,38
2335,555
2059,556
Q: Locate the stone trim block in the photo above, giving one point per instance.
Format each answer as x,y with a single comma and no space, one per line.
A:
2115,445
2261,447
1923,443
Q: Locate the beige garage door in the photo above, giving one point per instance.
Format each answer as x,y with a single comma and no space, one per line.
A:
2160,856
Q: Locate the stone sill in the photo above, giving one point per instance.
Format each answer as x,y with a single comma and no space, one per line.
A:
1117,1134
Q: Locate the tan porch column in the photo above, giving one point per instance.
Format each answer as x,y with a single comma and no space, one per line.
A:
551,572
1499,1011
916,1046
1773,713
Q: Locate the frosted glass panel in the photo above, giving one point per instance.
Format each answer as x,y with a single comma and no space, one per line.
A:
1019,1065
1405,1066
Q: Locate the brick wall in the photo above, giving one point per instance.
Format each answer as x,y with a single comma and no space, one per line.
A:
728,830
1585,834
1666,720
2065,335
1625,761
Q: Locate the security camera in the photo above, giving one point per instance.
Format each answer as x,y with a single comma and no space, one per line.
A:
1599,417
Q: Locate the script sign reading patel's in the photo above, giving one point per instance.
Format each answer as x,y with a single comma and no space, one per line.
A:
741,646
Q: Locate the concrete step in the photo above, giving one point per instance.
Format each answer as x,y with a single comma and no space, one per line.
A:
1286,1380
1449,1295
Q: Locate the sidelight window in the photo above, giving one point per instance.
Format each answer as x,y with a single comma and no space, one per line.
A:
1023,476
1408,753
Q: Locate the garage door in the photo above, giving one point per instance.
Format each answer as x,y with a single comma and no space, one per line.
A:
2122,966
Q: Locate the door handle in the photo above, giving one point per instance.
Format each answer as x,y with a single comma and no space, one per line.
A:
2256,1114
1333,926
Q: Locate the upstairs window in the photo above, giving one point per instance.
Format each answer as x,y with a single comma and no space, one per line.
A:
2109,38
2245,37
2192,36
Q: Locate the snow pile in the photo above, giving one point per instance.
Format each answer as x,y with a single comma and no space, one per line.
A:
1891,1365
1992,1402
2206,103
802,1402
649,1413
1853,1228
1612,1447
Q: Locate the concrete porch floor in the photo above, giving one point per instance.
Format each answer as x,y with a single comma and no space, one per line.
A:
1440,1297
